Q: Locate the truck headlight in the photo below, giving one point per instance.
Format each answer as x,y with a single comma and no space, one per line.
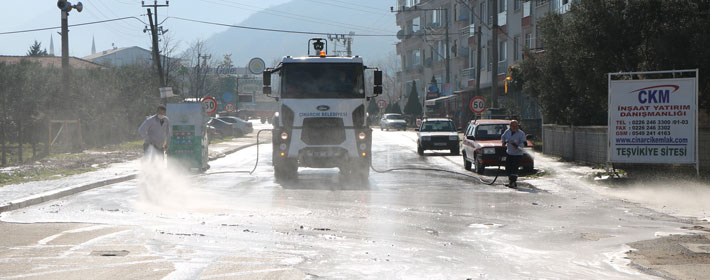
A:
489,151
362,135
284,135
453,137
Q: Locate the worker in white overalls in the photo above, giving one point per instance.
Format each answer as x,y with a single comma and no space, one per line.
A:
155,131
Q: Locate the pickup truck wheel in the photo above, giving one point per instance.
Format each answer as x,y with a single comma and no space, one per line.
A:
420,150
528,168
466,163
455,151
480,167
286,169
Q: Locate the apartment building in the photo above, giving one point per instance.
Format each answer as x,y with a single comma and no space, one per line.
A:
424,49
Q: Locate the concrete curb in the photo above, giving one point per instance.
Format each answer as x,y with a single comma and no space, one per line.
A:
67,191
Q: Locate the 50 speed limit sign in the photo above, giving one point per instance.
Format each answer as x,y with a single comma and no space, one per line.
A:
478,104
210,105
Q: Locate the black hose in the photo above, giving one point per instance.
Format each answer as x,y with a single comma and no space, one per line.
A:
255,164
439,170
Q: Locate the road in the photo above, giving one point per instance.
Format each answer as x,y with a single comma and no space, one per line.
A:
227,224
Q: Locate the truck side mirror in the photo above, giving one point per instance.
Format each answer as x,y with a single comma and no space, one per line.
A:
267,78
378,78
377,90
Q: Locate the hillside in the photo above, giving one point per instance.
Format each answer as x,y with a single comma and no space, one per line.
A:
336,16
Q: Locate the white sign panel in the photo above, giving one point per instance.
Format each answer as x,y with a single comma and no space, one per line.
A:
653,121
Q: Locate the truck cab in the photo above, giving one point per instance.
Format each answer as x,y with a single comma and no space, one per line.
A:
321,119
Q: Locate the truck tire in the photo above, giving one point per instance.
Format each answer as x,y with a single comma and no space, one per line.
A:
420,150
480,167
286,169
455,151
466,163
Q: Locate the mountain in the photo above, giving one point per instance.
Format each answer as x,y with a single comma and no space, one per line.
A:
364,17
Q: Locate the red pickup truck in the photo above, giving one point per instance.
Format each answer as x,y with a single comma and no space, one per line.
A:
482,146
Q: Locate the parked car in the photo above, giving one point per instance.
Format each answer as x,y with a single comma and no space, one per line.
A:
393,121
224,129
244,127
437,134
482,146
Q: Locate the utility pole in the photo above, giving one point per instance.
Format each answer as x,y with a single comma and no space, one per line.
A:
494,54
153,21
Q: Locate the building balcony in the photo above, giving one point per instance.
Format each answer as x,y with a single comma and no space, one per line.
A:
503,18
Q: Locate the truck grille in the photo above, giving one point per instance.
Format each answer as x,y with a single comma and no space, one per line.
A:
440,138
323,131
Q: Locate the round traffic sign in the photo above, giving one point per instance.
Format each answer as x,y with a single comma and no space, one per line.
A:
229,107
478,104
210,105
381,103
256,65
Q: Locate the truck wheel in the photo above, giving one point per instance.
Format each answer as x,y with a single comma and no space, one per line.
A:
420,150
528,168
455,151
286,169
466,163
480,167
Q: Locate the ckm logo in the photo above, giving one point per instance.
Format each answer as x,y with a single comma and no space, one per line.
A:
323,108
656,94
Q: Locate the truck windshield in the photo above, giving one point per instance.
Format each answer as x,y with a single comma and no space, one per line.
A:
322,80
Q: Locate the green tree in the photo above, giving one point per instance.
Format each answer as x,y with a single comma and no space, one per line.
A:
36,50
413,108
569,79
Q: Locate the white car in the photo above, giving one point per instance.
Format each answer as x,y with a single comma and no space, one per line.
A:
393,121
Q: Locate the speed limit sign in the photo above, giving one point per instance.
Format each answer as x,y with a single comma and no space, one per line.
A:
210,105
478,104
229,107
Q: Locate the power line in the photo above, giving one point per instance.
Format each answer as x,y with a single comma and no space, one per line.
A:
71,25
291,15
278,30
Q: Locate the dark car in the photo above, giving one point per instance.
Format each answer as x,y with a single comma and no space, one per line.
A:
224,129
241,126
437,134
482,146
393,121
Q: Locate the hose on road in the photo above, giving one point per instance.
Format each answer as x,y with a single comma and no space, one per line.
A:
410,168
255,163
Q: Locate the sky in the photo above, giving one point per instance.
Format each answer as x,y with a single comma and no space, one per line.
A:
33,14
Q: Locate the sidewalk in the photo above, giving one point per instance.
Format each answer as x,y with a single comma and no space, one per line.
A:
13,197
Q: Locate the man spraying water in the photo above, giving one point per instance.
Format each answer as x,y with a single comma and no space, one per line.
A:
155,131
514,139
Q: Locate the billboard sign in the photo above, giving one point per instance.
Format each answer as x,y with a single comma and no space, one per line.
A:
653,121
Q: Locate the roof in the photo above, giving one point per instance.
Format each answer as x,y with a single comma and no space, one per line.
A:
52,61
327,59
112,51
490,121
437,119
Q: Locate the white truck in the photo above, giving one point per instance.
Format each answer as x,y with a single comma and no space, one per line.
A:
321,118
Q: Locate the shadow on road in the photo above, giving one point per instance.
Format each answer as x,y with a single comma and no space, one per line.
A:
324,180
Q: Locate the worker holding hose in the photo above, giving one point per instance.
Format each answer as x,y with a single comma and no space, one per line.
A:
514,140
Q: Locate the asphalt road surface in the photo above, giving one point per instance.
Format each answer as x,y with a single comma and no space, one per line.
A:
414,224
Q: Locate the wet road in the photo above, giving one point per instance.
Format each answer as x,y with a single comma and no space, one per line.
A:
227,224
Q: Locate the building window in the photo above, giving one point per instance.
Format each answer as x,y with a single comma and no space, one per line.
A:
502,5
528,41
516,5
516,48
502,49
417,56
416,24
484,58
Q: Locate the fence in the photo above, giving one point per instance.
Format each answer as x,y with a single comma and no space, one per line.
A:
588,144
